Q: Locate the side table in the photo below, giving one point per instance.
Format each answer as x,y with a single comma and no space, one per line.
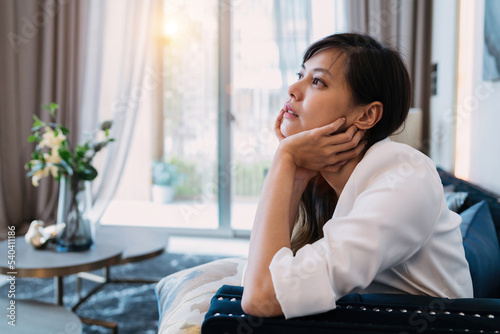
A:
140,243
33,316
114,245
31,262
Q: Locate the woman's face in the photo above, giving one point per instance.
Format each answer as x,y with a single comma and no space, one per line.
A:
320,96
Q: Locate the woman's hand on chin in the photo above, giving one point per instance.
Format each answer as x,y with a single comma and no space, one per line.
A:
319,150
301,174
277,126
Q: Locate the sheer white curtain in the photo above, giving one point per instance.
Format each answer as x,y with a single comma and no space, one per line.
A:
122,37
298,24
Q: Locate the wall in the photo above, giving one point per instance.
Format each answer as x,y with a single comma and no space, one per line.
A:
478,109
444,51
465,113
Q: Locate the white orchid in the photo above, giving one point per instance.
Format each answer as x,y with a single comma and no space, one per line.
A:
38,175
62,158
53,157
50,140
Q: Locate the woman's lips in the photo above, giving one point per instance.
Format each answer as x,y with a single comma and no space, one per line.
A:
289,112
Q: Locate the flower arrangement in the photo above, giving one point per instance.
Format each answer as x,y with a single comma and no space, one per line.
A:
54,154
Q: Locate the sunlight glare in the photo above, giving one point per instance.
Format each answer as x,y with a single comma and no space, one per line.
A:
170,29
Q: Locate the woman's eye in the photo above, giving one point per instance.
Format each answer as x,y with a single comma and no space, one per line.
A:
299,76
317,81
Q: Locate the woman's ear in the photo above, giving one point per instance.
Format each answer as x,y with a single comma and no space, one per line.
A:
369,115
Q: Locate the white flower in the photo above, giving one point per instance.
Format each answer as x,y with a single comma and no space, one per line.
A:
50,140
39,174
51,159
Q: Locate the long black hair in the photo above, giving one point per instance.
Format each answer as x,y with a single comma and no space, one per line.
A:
373,72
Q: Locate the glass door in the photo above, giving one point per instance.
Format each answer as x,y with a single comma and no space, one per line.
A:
227,66
190,66
268,39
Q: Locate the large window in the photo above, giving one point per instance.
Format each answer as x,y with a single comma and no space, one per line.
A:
227,65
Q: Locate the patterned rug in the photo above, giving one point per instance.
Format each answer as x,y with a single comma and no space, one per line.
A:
133,306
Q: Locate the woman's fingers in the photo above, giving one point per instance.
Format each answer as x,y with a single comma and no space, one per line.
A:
331,128
349,133
319,149
345,152
331,131
352,143
277,126
352,153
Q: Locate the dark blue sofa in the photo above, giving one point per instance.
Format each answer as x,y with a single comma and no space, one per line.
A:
382,313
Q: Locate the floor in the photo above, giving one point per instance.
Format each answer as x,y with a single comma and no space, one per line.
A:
185,215
208,246
179,214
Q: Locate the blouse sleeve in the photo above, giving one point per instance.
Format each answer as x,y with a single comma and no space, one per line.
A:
393,215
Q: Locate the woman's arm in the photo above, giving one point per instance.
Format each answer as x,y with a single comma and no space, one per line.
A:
297,159
390,210
271,232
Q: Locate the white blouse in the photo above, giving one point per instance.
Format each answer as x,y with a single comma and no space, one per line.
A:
391,232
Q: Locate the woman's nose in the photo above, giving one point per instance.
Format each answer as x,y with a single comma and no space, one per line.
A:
294,91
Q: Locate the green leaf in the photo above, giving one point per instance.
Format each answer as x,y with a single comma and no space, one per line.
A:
81,150
64,130
65,145
31,138
38,138
86,172
66,156
40,155
36,128
52,108
64,166
37,121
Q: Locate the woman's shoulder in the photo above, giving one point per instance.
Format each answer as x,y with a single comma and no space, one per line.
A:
397,162
389,148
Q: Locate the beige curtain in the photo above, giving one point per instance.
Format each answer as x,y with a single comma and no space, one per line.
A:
42,45
407,26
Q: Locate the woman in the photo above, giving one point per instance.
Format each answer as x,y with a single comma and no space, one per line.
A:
343,209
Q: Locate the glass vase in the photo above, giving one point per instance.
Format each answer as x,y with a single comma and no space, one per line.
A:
73,209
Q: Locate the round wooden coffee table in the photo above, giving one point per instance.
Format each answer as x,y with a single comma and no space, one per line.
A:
31,262
140,243
32,317
42,263
114,245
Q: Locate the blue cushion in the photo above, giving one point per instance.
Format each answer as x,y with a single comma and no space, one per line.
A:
481,249
456,200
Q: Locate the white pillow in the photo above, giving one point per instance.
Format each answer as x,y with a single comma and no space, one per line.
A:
184,297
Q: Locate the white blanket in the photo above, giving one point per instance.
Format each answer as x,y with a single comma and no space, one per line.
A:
184,297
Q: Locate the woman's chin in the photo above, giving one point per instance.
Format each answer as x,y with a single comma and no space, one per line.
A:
286,131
